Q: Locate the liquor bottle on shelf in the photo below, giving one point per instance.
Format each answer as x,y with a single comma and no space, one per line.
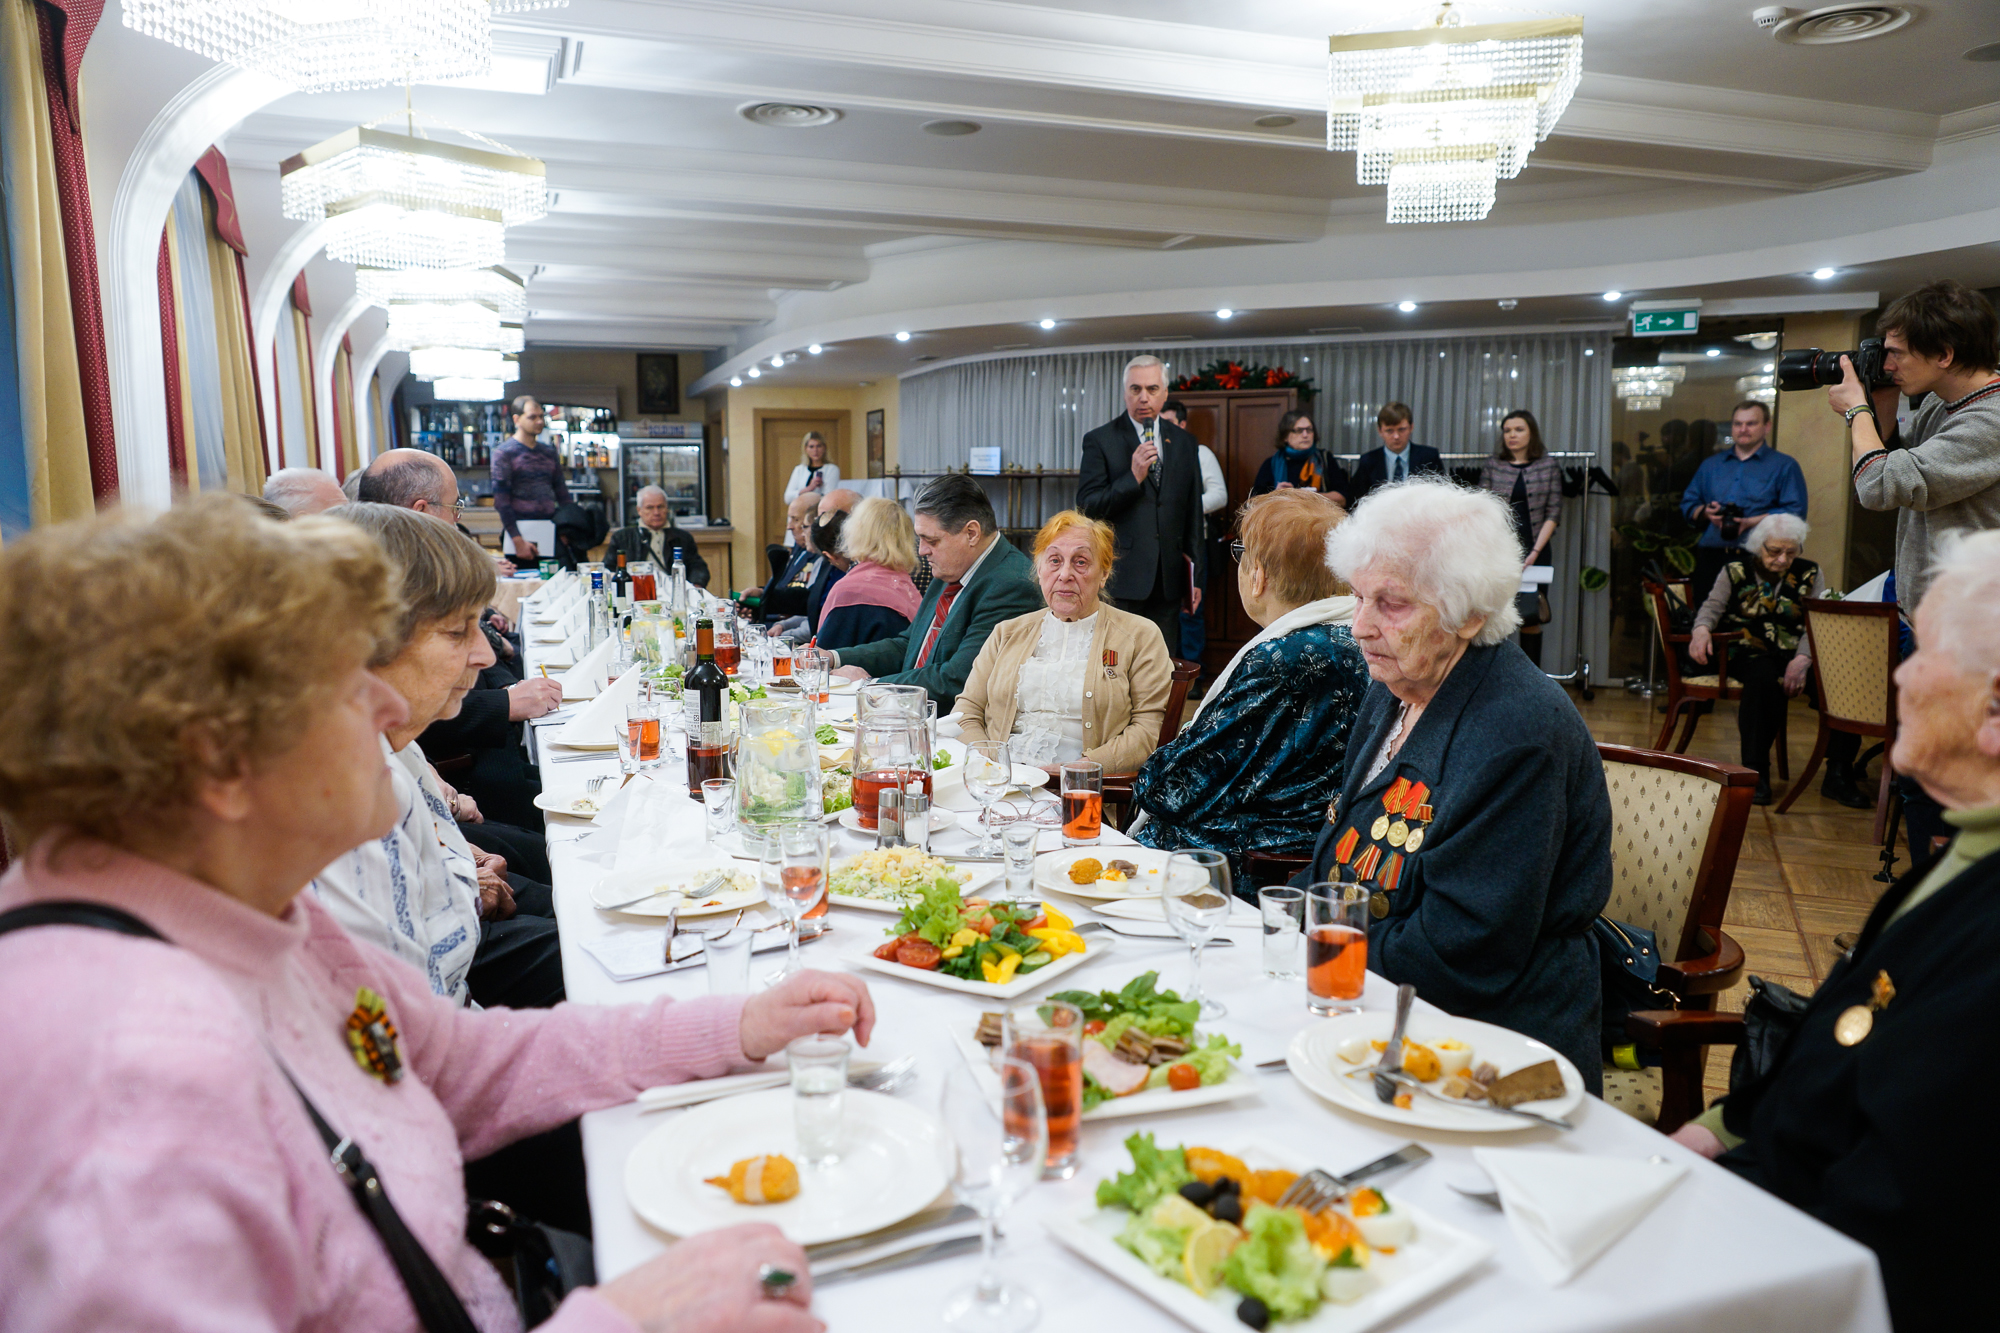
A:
706,685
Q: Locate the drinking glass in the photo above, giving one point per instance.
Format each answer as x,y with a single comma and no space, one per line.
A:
1048,1037
1020,841
781,659
642,736
726,958
1283,909
1000,1153
1336,947
812,669
707,756
1196,900
819,1082
1082,802
989,771
799,851
718,795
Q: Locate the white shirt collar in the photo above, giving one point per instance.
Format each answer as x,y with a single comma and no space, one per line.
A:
1142,426
966,577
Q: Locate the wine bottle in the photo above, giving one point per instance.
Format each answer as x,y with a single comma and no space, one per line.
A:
706,684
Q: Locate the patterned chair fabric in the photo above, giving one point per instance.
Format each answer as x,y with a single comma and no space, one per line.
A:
1660,822
1851,653
1639,1093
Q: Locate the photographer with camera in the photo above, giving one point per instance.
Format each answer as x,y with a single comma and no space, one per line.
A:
1735,490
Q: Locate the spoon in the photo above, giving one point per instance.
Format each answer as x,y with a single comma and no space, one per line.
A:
1391,1062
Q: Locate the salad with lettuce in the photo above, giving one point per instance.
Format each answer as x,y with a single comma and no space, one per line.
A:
1205,1219
1140,1037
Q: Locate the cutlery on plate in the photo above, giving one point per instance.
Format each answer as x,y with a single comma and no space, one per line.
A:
1403,1080
1391,1062
930,1220
1090,927
1317,1189
943,1249
607,756
709,887
865,1077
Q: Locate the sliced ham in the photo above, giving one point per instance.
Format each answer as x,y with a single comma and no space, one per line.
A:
1121,1077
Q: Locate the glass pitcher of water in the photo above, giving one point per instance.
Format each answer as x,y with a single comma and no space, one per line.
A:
777,767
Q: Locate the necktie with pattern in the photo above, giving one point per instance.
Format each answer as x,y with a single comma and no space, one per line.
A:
1398,465
945,599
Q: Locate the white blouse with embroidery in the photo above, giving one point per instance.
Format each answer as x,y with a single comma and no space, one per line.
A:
1048,700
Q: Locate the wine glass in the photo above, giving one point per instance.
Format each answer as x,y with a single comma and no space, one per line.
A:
1196,899
1000,1151
799,853
989,772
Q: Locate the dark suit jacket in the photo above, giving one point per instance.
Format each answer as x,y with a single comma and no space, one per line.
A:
1001,588
633,541
1156,525
1879,1138
1490,918
1372,469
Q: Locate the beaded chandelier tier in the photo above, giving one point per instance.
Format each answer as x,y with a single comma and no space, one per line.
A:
414,202
328,45
1442,112
415,324
436,363
1644,388
467,391
494,288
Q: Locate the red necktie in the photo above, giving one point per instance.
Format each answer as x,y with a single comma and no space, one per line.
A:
945,600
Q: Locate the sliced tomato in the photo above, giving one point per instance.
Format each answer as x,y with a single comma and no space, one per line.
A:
1039,923
1183,1078
983,923
1093,1027
887,953
919,953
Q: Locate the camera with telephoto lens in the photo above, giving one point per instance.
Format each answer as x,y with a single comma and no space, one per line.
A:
1810,367
1727,526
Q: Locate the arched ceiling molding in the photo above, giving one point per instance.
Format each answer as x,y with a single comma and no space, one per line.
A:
181,132
364,370
274,286
323,358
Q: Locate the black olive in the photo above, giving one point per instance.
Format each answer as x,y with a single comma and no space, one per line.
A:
1253,1312
1228,1185
1227,1208
1197,1193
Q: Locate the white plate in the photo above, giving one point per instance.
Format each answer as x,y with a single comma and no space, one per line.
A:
1436,1257
1052,872
550,638
982,875
1097,947
1314,1062
940,819
622,884
1151,909
1151,1102
893,1167
950,784
567,804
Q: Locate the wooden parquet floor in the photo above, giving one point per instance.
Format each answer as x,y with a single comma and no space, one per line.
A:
1803,876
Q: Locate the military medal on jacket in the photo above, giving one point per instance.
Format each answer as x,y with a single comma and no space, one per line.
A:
1405,815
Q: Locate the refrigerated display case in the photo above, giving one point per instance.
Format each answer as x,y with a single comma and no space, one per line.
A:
674,465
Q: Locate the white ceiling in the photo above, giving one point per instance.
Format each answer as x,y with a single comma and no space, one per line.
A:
1121,125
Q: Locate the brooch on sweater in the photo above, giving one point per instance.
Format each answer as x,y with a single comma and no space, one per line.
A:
372,1037
1858,1020
1110,664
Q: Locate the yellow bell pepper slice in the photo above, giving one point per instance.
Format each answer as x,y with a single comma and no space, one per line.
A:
1058,942
1057,921
965,938
1001,973
954,951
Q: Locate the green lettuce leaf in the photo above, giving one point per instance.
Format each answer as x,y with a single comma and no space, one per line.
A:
1276,1263
1155,1172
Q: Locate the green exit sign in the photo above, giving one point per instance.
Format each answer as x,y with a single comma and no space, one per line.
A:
1660,322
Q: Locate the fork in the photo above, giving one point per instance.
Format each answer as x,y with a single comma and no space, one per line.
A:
1220,942
595,785
1391,1062
1317,1190
654,893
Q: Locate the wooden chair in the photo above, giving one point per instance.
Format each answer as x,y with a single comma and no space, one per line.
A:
1268,868
1856,647
1684,693
1118,786
1677,828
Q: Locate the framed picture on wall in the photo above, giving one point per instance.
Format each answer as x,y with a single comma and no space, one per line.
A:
877,443
659,383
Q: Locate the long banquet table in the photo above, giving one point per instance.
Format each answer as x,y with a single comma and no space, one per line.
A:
1716,1254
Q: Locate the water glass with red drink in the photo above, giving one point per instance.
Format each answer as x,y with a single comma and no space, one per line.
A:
1082,802
1336,947
642,736
726,655
1047,1035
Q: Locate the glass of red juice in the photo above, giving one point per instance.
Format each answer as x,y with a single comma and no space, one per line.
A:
1047,1035
1336,947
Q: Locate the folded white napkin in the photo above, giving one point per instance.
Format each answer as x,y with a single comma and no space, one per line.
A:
585,680
631,954
651,820
708,1089
1568,1208
597,725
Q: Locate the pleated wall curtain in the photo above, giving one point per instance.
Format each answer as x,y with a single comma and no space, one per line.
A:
214,424
298,419
1038,407
57,456
347,449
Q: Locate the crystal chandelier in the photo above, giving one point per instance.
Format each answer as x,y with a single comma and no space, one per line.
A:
424,324
436,363
415,202
1644,388
1442,112
493,288
467,391
320,46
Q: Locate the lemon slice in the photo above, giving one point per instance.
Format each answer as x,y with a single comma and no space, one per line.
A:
1202,1258
776,741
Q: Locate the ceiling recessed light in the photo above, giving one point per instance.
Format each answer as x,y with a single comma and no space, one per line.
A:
788,115
815,349
951,129
1823,273
1225,313
1048,323
1588,351
778,361
1508,303
903,336
1276,122
735,381
1715,351
1613,295
755,373
1406,306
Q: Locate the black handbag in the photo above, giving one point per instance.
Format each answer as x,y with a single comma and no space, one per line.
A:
1770,1016
547,1264
1629,958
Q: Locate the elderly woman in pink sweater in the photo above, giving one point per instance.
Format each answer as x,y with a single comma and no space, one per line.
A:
191,734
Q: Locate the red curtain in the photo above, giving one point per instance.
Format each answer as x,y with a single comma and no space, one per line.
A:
170,344
66,26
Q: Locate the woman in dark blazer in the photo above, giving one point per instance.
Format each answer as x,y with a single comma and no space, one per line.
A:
1522,473
1298,463
1473,801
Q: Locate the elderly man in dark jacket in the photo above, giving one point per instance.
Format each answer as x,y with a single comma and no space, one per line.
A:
1474,804
656,537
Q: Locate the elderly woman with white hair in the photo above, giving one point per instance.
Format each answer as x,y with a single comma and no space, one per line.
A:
1757,611
1473,805
1879,1105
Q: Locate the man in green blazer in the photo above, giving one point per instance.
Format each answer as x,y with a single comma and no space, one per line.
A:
978,580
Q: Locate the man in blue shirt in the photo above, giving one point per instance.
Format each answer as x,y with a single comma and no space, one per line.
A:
1752,476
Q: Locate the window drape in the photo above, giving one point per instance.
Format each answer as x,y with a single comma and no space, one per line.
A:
347,448
298,419
214,426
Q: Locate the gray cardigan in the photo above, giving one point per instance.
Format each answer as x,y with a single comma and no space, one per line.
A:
1490,918
1947,478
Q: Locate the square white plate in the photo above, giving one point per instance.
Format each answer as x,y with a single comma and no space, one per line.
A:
1034,981
1436,1257
1155,1101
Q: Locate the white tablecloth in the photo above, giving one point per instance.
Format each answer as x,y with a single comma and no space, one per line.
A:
1717,1254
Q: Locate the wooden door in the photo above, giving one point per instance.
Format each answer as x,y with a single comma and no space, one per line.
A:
780,432
1241,428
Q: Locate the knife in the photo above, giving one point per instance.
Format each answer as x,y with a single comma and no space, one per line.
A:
928,1220
943,1249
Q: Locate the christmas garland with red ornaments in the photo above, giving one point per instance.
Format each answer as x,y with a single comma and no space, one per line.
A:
1233,375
